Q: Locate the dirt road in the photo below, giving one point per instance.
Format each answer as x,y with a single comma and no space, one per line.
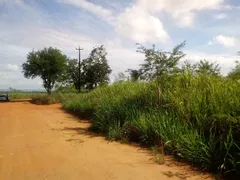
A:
44,143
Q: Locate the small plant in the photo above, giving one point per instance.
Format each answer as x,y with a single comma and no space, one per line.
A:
159,154
115,132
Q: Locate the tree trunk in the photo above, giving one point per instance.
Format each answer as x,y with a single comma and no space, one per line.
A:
49,91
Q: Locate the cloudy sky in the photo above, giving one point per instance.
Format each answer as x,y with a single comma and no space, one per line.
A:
210,27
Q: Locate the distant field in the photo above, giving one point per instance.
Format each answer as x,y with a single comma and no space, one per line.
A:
24,95
42,97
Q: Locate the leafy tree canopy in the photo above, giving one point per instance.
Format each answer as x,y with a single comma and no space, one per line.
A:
235,72
120,77
205,66
135,74
49,64
202,67
159,63
95,68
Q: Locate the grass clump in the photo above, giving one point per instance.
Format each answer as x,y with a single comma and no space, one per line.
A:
194,117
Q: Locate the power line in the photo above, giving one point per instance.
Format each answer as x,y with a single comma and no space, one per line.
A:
93,25
52,14
57,28
49,10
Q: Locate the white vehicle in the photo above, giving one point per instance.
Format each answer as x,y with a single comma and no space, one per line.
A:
4,97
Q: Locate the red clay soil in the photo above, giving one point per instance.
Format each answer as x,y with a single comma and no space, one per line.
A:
45,143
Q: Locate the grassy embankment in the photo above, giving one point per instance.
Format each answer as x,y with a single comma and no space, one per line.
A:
196,118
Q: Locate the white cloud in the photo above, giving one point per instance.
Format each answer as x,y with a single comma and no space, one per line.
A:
210,42
230,7
140,22
98,10
11,76
220,16
227,41
180,6
186,20
134,23
182,11
12,67
140,26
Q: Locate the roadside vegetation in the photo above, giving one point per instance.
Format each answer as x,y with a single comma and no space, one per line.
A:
23,95
196,118
189,110
54,98
45,99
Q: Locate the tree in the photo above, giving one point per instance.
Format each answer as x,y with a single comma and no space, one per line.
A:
134,74
49,64
187,66
72,74
159,63
95,68
235,72
208,68
202,67
120,77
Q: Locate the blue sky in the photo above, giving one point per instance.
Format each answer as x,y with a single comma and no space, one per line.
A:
210,27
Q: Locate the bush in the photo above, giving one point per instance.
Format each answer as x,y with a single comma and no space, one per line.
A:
195,117
44,100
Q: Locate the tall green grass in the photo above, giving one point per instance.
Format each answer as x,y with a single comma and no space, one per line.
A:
194,117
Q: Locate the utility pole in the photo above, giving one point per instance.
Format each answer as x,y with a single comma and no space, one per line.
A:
79,69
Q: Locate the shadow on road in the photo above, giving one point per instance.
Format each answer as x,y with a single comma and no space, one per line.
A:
80,130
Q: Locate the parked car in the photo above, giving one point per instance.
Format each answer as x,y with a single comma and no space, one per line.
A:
4,97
